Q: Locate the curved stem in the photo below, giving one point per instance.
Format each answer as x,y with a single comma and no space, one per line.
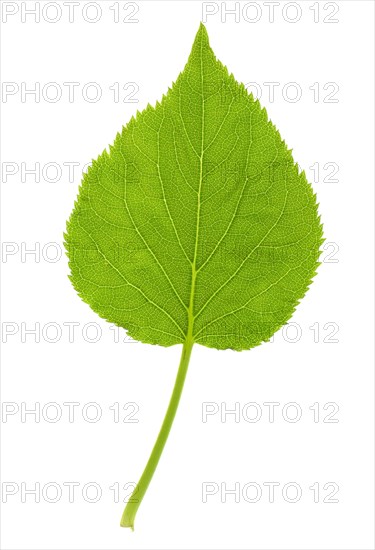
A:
136,498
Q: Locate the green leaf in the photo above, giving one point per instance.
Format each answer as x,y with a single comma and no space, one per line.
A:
197,225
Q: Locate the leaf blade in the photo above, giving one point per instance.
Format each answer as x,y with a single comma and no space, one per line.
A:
201,205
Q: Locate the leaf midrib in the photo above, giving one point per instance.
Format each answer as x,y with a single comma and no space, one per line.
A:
189,335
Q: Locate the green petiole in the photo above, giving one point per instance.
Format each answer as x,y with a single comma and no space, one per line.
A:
139,492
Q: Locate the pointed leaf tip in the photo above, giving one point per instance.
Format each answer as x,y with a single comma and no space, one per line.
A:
202,35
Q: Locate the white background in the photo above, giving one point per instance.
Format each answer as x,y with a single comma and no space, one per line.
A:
151,53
